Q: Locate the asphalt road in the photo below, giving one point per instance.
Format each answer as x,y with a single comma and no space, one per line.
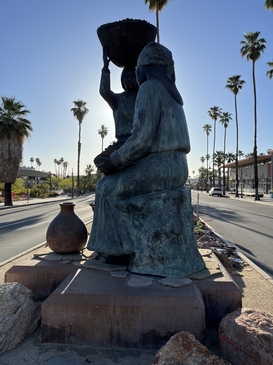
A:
24,227
245,223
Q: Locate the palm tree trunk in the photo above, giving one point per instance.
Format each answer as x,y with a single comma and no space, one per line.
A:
207,187
236,158
78,164
8,195
214,137
219,176
224,172
256,180
157,25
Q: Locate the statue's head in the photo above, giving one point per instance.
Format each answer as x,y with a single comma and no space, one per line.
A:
154,54
128,79
156,61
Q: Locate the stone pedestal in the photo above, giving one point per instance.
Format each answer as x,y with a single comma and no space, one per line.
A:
220,294
91,307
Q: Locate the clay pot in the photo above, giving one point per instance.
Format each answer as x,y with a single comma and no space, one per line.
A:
66,233
125,40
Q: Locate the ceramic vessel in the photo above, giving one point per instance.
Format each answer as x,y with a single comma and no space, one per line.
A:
66,233
125,40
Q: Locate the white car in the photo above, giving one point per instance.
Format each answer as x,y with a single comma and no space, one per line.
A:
215,191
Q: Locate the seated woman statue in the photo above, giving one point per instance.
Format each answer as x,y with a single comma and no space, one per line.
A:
142,208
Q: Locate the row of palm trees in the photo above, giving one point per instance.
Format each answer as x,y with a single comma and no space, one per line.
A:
62,167
224,118
38,163
252,48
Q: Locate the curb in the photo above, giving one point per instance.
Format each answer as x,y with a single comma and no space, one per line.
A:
242,255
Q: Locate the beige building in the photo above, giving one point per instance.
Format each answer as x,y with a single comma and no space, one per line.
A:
246,173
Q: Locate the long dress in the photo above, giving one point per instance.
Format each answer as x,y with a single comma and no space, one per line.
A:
152,161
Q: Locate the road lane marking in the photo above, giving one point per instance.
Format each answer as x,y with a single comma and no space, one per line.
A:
31,226
22,222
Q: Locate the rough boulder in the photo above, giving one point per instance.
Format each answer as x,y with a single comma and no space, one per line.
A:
19,314
246,337
184,349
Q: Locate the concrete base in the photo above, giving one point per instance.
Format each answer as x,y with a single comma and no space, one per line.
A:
91,307
220,294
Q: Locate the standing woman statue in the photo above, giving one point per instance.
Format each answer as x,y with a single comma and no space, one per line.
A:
142,208
122,104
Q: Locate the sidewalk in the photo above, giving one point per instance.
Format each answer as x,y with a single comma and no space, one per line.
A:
33,201
264,200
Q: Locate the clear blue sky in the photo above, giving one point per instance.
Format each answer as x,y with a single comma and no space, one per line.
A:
51,55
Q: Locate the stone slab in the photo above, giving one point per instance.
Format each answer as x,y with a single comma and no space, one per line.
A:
91,307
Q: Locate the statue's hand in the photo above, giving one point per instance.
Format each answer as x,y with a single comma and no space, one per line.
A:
106,166
106,60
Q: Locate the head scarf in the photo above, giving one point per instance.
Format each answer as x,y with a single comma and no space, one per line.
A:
161,65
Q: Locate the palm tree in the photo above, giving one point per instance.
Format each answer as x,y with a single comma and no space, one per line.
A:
230,157
55,162
202,159
61,163
240,154
88,171
224,119
103,131
58,164
31,161
207,130
14,128
250,154
235,84
38,163
214,113
79,112
269,4
156,5
270,72
65,164
219,160
252,48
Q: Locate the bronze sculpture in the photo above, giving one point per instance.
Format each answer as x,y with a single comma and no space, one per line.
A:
143,209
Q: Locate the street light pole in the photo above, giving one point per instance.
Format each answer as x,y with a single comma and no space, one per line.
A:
27,189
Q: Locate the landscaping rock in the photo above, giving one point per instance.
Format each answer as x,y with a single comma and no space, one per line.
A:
19,314
246,337
184,349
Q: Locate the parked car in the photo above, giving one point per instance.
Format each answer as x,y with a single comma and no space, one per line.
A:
215,191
